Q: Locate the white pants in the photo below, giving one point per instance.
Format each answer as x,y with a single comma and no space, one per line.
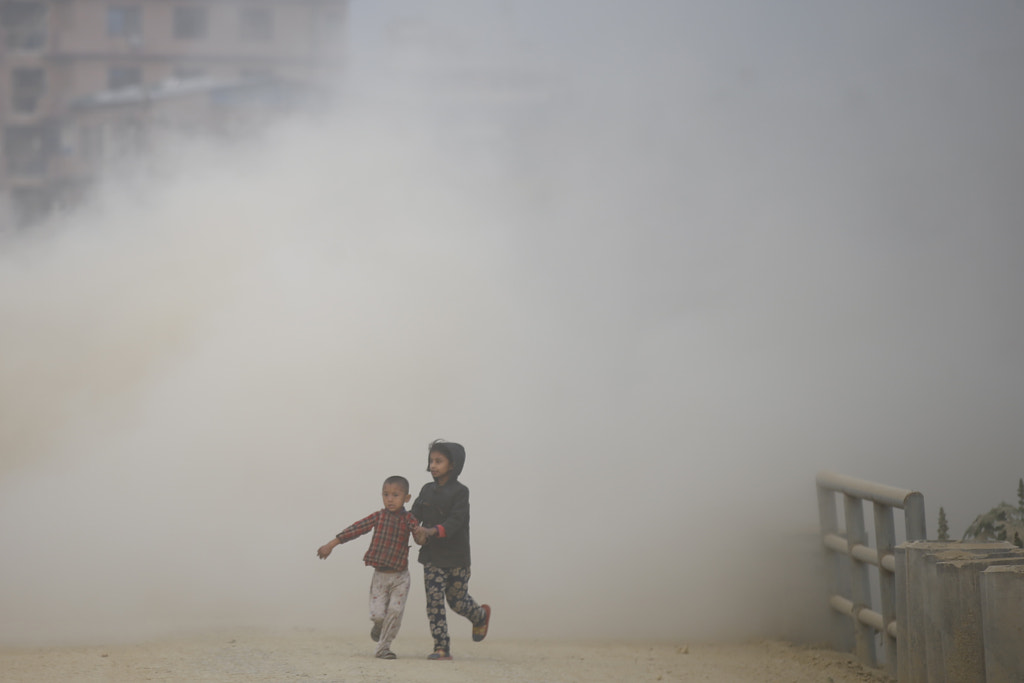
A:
388,593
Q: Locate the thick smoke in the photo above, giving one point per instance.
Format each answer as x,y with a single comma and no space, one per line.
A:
654,264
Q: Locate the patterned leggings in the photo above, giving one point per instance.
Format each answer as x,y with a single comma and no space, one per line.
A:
451,583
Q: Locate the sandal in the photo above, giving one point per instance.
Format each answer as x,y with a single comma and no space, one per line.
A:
480,631
439,656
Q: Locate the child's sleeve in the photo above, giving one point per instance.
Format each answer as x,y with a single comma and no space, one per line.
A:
417,506
359,528
458,517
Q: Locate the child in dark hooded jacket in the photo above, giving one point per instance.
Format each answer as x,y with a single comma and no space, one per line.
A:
443,510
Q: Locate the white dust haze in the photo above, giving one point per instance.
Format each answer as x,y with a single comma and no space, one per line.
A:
655,264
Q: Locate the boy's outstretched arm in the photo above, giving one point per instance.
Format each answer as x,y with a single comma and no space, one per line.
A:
365,525
326,548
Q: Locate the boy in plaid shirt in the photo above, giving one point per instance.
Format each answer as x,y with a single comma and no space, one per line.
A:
388,554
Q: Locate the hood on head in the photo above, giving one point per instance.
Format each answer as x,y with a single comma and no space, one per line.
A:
455,452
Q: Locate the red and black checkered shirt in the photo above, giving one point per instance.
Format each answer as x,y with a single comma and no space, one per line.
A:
389,547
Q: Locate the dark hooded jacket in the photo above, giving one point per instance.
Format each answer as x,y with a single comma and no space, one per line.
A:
447,506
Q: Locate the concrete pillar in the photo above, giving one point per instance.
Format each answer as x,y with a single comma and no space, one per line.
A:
932,604
914,566
962,645
1002,617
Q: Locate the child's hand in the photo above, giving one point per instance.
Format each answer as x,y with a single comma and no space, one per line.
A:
422,533
326,548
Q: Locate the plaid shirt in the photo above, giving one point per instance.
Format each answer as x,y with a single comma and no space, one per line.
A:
389,547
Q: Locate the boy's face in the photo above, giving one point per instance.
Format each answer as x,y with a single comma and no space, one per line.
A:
440,467
395,497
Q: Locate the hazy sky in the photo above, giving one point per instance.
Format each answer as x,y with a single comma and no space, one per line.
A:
655,264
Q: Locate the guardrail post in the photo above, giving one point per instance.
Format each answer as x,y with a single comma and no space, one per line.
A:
859,579
913,509
885,539
841,629
893,620
902,615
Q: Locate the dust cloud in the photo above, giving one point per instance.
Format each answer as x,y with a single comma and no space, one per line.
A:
654,264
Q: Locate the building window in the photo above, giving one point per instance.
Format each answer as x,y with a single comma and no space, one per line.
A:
90,144
123,76
27,148
24,25
189,22
29,205
124,21
27,87
256,24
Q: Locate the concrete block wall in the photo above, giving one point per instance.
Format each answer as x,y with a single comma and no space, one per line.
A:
1002,618
942,614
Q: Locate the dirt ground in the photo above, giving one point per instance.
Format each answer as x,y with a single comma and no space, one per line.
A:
306,655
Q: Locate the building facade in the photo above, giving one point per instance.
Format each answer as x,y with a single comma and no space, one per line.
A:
55,54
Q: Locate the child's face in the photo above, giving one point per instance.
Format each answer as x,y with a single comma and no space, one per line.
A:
440,467
395,497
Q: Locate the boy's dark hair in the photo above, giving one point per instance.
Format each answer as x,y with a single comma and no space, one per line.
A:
398,479
439,446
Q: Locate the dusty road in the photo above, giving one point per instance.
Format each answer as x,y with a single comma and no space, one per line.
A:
256,657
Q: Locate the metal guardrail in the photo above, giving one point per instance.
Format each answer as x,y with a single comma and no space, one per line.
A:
850,591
